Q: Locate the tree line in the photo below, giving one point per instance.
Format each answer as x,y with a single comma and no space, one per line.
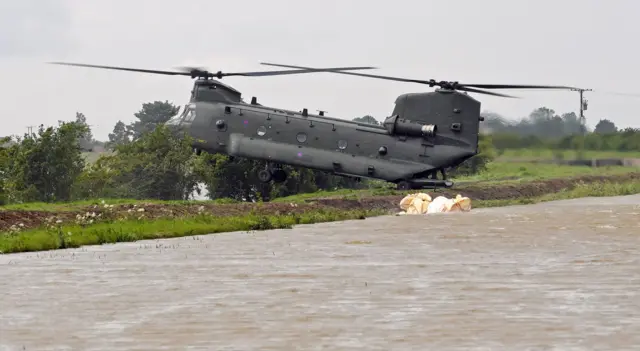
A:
544,129
143,160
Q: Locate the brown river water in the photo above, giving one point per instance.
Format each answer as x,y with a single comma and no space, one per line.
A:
552,276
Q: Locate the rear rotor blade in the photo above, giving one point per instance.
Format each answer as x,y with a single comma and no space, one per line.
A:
444,84
517,86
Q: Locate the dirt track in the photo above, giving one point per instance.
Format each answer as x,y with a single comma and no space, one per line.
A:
33,219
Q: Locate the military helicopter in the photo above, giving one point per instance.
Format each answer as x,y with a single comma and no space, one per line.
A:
426,133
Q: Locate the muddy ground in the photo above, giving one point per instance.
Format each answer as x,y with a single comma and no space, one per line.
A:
32,219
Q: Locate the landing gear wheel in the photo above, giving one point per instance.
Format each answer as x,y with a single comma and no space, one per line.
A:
279,175
264,176
403,185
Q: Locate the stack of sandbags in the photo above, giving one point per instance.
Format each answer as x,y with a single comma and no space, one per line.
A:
421,203
415,203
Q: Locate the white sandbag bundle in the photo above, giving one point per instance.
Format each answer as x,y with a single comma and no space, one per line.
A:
421,203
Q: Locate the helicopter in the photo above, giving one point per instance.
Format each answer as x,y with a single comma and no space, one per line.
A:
427,132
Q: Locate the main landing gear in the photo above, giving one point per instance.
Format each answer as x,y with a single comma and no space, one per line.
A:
431,181
272,172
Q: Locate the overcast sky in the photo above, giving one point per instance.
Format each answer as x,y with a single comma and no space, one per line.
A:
586,43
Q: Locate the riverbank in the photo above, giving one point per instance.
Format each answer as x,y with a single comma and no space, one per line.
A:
44,226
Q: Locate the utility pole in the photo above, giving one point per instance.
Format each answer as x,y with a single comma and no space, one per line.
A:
583,107
583,122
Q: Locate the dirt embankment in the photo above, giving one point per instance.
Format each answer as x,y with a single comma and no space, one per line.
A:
32,219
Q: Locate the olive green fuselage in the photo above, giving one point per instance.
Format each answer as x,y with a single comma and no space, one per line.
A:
426,132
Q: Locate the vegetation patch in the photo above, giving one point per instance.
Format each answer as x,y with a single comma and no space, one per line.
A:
100,223
91,228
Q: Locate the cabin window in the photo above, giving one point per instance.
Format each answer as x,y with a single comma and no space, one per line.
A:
301,137
342,144
262,130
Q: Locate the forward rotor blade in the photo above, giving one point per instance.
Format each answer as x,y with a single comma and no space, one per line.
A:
193,71
297,71
358,74
473,90
616,93
171,73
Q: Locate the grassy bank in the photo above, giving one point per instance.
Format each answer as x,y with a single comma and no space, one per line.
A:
580,190
91,230
32,227
549,154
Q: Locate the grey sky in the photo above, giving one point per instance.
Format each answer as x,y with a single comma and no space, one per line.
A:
587,43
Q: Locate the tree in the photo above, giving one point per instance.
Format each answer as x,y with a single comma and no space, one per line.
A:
158,165
605,126
150,116
479,162
367,119
4,168
44,166
119,136
86,139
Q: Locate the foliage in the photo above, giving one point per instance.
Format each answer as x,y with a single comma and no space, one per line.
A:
4,170
86,138
605,126
367,119
624,140
541,122
545,130
44,166
479,162
120,135
150,116
158,165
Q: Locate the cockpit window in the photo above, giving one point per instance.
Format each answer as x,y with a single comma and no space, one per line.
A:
176,118
190,113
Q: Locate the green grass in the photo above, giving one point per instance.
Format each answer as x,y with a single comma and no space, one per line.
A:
69,236
527,171
79,205
549,154
497,173
73,235
599,189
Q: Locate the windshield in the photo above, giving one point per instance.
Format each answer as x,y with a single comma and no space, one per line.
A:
176,118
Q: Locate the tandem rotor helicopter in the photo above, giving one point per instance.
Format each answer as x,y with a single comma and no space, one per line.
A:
426,133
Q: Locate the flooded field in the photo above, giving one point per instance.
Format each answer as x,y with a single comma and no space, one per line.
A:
563,275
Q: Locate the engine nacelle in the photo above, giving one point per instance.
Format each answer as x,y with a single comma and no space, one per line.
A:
397,126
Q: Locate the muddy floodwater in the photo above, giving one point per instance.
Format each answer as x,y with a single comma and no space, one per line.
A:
561,276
